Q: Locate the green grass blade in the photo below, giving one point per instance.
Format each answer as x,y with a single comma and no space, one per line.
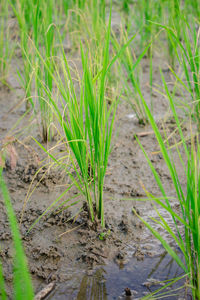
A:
164,243
22,281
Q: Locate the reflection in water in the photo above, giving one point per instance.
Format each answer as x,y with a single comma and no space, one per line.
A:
169,266
108,282
93,287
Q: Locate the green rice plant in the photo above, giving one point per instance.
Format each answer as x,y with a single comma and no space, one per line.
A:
144,14
66,5
148,16
87,126
193,8
24,11
186,231
3,50
98,11
126,9
187,51
87,121
62,162
6,50
21,277
101,9
87,22
173,22
45,45
132,72
95,7
36,22
75,8
164,291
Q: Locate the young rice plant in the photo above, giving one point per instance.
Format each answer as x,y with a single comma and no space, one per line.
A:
21,277
186,231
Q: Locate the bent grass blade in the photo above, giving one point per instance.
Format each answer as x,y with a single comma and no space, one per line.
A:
22,280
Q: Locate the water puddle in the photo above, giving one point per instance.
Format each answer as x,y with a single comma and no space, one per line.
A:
108,282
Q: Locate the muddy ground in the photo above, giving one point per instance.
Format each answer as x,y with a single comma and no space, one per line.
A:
53,257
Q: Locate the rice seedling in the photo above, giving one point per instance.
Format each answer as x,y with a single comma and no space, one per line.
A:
187,52
148,15
126,12
87,22
87,121
90,139
186,233
87,127
6,50
98,11
132,69
45,45
163,292
147,12
126,7
36,20
72,10
78,102
23,11
21,277
193,8
66,5
173,22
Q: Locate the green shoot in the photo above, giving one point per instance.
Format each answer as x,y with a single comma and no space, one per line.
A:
188,240
22,281
6,50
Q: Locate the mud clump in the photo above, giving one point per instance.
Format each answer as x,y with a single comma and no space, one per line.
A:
96,242
57,218
127,292
28,169
45,262
139,254
123,225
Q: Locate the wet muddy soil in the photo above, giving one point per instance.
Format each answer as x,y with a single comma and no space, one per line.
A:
83,261
133,280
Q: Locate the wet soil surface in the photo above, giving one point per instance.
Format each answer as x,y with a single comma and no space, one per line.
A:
132,280
73,252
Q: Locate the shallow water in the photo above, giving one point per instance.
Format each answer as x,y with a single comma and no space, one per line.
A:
108,282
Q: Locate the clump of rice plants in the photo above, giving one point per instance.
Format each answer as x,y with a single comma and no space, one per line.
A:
193,8
24,12
36,23
186,231
45,45
87,122
133,74
174,23
22,286
87,22
6,50
142,15
187,51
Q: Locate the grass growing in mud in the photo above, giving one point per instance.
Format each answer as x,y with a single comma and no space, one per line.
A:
130,63
6,50
36,23
187,236
85,119
76,102
22,286
187,52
